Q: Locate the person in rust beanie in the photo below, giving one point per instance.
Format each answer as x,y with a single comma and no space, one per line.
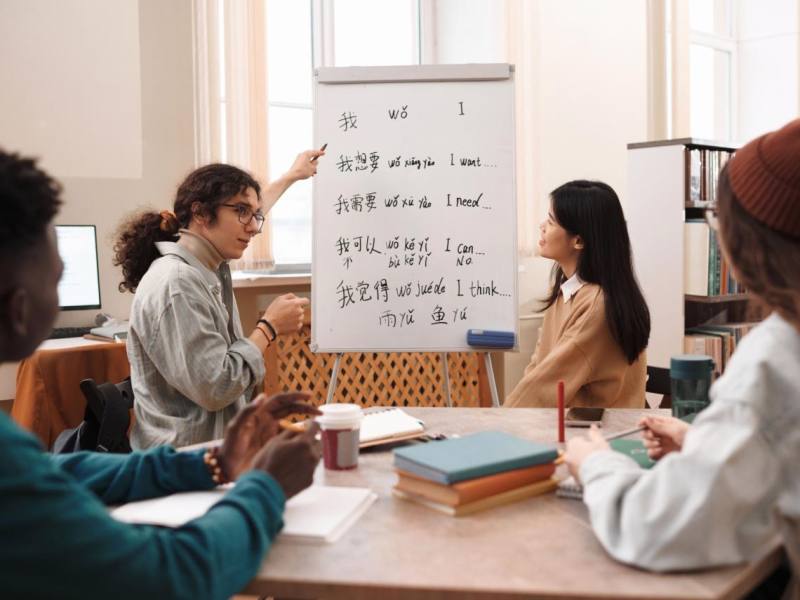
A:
722,489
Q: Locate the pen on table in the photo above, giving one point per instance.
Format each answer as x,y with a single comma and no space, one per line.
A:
314,158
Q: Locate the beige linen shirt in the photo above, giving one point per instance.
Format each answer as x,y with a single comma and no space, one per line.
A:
192,369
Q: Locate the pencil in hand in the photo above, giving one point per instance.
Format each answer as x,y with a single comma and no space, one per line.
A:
296,427
314,158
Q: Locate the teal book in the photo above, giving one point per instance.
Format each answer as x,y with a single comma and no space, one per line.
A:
635,449
476,455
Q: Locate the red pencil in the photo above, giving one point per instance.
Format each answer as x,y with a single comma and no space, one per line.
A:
561,412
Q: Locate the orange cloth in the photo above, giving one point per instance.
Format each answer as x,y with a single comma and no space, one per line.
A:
49,398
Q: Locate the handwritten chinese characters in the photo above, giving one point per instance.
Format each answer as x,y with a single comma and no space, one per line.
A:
414,214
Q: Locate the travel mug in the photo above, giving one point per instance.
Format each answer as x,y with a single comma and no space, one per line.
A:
690,376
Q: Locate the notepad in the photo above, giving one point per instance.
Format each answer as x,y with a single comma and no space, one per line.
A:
388,425
317,514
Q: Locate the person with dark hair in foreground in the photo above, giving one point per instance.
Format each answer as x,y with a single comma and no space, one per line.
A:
729,483
58,540
192,366
596,322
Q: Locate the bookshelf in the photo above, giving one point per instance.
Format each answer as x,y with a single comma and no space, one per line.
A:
684,279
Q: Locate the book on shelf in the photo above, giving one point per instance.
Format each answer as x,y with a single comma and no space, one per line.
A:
717,341
507,497
471,456
705,270
471,490
703,166
318,514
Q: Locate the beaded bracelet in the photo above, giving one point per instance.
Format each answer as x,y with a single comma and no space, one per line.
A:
271,329
211,460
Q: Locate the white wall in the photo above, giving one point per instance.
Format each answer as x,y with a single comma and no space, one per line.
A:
102,91
768,65
591,100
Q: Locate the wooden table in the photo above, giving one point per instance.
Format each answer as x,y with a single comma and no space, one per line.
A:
539,548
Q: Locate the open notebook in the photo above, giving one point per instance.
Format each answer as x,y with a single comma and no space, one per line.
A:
388,425
317,514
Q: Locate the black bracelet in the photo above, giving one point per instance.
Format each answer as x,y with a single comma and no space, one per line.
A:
264,333
270,327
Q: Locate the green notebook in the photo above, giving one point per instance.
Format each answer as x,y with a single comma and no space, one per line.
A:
635,449
472,456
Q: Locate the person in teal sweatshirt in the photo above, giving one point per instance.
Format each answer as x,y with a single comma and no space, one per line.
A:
56,536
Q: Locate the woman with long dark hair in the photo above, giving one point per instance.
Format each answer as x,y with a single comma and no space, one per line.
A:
724,487
192,366
596,322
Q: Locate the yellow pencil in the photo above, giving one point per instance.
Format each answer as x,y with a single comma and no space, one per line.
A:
296,427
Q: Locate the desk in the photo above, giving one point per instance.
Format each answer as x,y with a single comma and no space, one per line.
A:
48,397
538,548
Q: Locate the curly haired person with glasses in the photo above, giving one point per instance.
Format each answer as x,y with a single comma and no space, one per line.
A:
192,366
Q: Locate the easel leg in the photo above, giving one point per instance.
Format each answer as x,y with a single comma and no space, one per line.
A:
334,377
487,360
446,370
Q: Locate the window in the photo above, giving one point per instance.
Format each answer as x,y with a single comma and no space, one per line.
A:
303,35
289,128
712,56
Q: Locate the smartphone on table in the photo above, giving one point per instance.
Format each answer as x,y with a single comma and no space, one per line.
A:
584,416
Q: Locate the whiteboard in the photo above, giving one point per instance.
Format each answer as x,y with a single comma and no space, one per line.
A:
414,207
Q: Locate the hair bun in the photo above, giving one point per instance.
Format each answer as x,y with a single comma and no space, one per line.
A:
169,222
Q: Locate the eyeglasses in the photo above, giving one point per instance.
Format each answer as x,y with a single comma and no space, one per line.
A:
711,218
246,214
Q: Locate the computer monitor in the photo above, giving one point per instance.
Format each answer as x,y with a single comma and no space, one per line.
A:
79,287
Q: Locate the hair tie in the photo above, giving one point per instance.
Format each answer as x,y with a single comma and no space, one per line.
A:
169,222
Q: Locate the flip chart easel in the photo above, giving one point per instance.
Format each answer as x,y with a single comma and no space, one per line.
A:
414,230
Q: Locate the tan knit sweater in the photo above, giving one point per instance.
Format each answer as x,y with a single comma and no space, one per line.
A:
575,344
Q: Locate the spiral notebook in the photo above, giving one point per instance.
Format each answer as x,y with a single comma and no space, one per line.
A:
386,425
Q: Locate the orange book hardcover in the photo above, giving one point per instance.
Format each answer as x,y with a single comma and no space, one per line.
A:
507,497
471,490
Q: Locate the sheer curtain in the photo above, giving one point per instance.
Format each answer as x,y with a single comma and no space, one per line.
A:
523,53
231,98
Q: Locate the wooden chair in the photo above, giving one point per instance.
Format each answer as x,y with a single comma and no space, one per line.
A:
375,378
658,382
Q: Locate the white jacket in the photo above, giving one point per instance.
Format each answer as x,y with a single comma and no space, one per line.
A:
733,487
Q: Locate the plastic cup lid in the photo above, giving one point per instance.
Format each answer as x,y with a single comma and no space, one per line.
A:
340,415
690,366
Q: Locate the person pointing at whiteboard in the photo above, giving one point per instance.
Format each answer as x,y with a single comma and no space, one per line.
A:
596,322
192,366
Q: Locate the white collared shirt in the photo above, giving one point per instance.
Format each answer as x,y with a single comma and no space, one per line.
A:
570,287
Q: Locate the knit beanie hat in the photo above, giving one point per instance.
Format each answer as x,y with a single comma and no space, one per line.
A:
765,176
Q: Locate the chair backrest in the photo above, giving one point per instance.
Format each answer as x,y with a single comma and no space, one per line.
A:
658,382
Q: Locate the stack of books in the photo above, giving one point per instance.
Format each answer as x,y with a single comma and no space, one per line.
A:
465,475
